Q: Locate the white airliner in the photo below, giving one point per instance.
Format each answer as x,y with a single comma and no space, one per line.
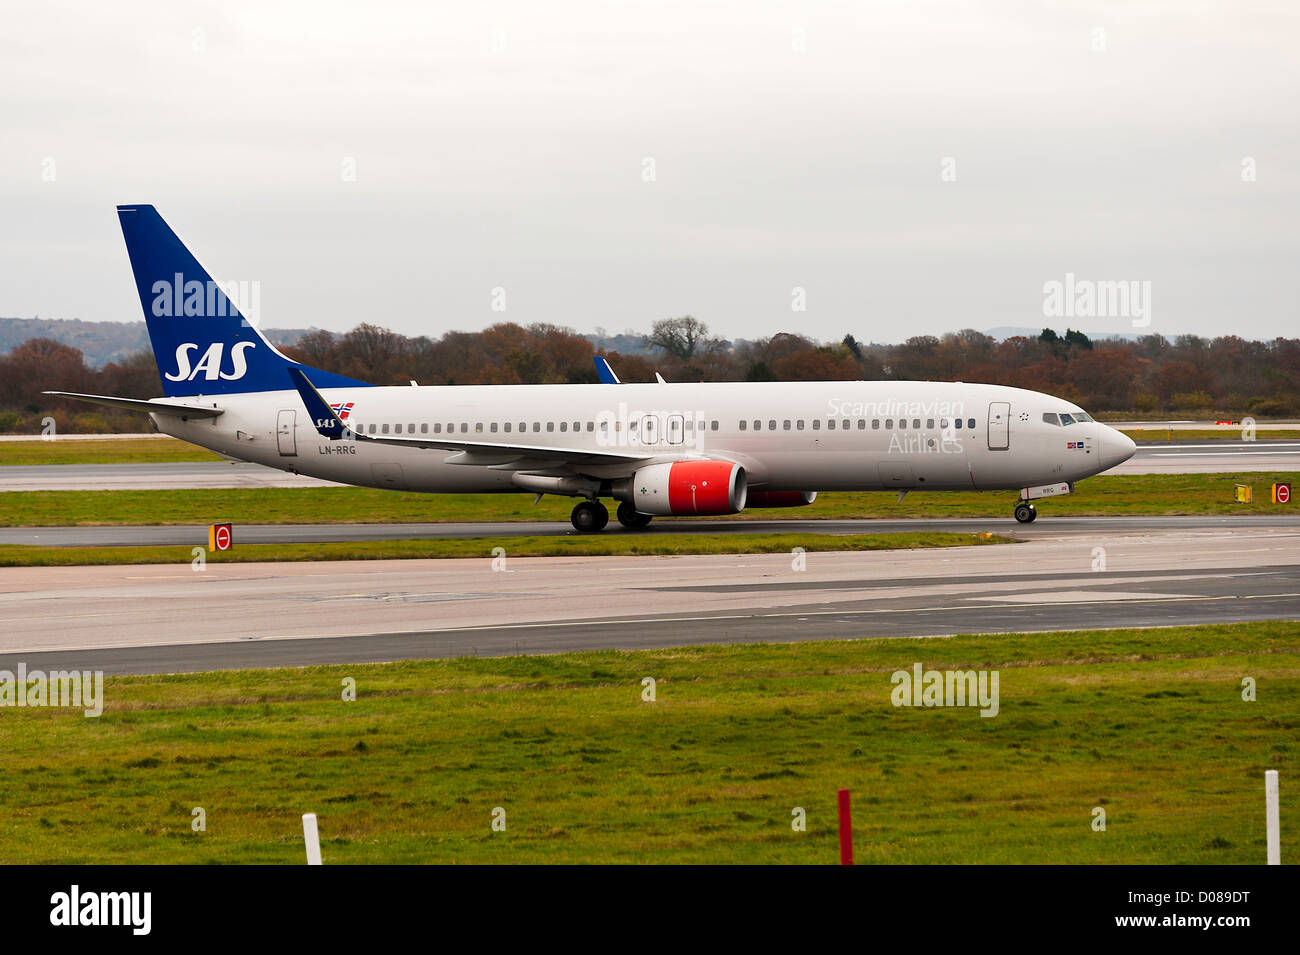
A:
656,449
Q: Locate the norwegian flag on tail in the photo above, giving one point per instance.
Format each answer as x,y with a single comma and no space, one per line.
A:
343,409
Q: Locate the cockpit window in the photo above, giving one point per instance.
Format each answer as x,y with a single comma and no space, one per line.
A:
1050,417
1067,419
1081,416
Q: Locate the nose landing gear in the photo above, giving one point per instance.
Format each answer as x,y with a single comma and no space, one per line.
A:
1026,512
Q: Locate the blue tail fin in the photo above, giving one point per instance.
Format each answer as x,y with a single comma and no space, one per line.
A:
202,344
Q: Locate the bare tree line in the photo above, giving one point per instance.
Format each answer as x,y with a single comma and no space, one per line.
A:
1149,376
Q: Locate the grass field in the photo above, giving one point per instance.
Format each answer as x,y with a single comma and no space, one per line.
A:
1206,434
569,546
1107,494
110,451
1147,724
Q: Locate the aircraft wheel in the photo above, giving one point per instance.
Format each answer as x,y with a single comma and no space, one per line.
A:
1025,512
586,517
602,515
628,516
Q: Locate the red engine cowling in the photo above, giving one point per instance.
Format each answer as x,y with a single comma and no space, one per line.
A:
689,487
780,498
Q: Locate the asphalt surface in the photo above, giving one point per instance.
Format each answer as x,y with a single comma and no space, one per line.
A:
1045,527
1178,457
170,618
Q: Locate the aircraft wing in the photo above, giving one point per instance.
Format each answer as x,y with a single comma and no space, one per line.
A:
176,408
484,453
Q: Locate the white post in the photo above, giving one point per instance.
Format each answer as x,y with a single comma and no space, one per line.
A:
1271,817
313,837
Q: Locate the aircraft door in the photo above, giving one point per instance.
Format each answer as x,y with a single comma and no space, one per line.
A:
999,425
285,434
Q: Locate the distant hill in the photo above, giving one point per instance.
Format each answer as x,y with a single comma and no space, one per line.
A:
102,342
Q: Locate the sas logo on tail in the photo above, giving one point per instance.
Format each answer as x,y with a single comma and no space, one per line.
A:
343,410
210,363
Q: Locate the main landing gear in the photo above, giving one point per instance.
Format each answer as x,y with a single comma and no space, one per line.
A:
628,516
1026,512
589,517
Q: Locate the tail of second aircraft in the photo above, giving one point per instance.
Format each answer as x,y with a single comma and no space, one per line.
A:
202,342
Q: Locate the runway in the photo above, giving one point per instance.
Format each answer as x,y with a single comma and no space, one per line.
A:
1046,526
1182,457
170,618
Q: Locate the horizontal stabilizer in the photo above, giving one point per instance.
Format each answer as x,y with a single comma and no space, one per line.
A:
149,407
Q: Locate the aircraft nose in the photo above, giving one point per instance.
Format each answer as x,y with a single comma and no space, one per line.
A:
1115,447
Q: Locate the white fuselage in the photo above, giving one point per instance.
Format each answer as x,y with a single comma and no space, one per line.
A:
789,436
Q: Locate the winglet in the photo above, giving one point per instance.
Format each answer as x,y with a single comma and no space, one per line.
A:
322,415
604,371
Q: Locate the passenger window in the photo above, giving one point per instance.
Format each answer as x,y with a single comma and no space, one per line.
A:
437,428
875,424
713,426
478,427
410,428
493,427
889,424
916,424
372,429
564,426
786,424
817,424
537,426
506,426
424,427
799,425
771,424
758,425
591,426
970,423
397,429
956,423
862,424
929,422
742,426
550,426
577,426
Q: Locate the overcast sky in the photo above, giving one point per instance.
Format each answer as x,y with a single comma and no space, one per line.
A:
916,168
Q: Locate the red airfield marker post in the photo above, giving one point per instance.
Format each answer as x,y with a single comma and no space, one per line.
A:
846,830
